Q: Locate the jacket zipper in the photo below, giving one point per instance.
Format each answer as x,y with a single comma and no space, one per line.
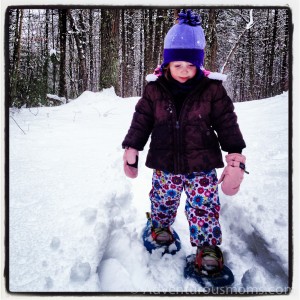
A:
177,127
178,124
178,133
176,167
177,136
178,145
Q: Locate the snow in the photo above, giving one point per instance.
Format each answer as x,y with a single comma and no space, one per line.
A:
56,98
52,52
75,220
250,24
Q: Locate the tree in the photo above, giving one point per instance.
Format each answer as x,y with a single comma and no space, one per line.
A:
109,48
148,41
212,41
45,53
127,52
62,92
15,62
53,53
270,78
284,80
91,48
79,34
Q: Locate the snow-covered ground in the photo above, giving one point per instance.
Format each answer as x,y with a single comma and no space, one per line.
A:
75,220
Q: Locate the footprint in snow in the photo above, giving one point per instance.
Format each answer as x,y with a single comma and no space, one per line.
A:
89,215
55,243
80,272
49,283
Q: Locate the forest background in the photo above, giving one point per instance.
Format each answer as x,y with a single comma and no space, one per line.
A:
55,54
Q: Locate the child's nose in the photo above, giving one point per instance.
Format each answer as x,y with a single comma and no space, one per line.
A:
184,69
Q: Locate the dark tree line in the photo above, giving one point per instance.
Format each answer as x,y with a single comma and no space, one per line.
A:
64,52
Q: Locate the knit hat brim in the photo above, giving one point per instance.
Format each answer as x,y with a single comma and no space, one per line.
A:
193,56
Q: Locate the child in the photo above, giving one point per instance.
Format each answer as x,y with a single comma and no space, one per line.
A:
189,117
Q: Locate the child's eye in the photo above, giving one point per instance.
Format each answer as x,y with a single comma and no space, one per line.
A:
177,66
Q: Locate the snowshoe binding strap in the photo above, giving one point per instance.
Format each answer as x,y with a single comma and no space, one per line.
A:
162,236
209,260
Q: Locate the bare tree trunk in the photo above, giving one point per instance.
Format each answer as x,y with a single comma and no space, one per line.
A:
17,41
266,57
16,55
91,47
242,81
62,92
80,44
109,49
284,81
212,40
53,56
123,60
83,74
46,52
272,55
251,65
73,89
149,49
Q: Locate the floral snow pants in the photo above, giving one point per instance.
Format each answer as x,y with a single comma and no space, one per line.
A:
202,204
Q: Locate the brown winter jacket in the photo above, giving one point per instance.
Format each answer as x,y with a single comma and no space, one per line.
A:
191,142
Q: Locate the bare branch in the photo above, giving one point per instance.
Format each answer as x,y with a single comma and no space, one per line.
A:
233,49
18,125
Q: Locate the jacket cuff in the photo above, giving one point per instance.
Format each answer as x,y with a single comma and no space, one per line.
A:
235,151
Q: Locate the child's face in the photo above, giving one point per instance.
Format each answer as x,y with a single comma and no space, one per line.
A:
182,71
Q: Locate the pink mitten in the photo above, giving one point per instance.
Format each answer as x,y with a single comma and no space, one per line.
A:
131,158
233,173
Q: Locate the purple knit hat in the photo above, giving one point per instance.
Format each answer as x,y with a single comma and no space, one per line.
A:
185,41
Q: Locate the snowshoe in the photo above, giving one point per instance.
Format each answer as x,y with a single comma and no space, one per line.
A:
209,259
207,268
160,238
